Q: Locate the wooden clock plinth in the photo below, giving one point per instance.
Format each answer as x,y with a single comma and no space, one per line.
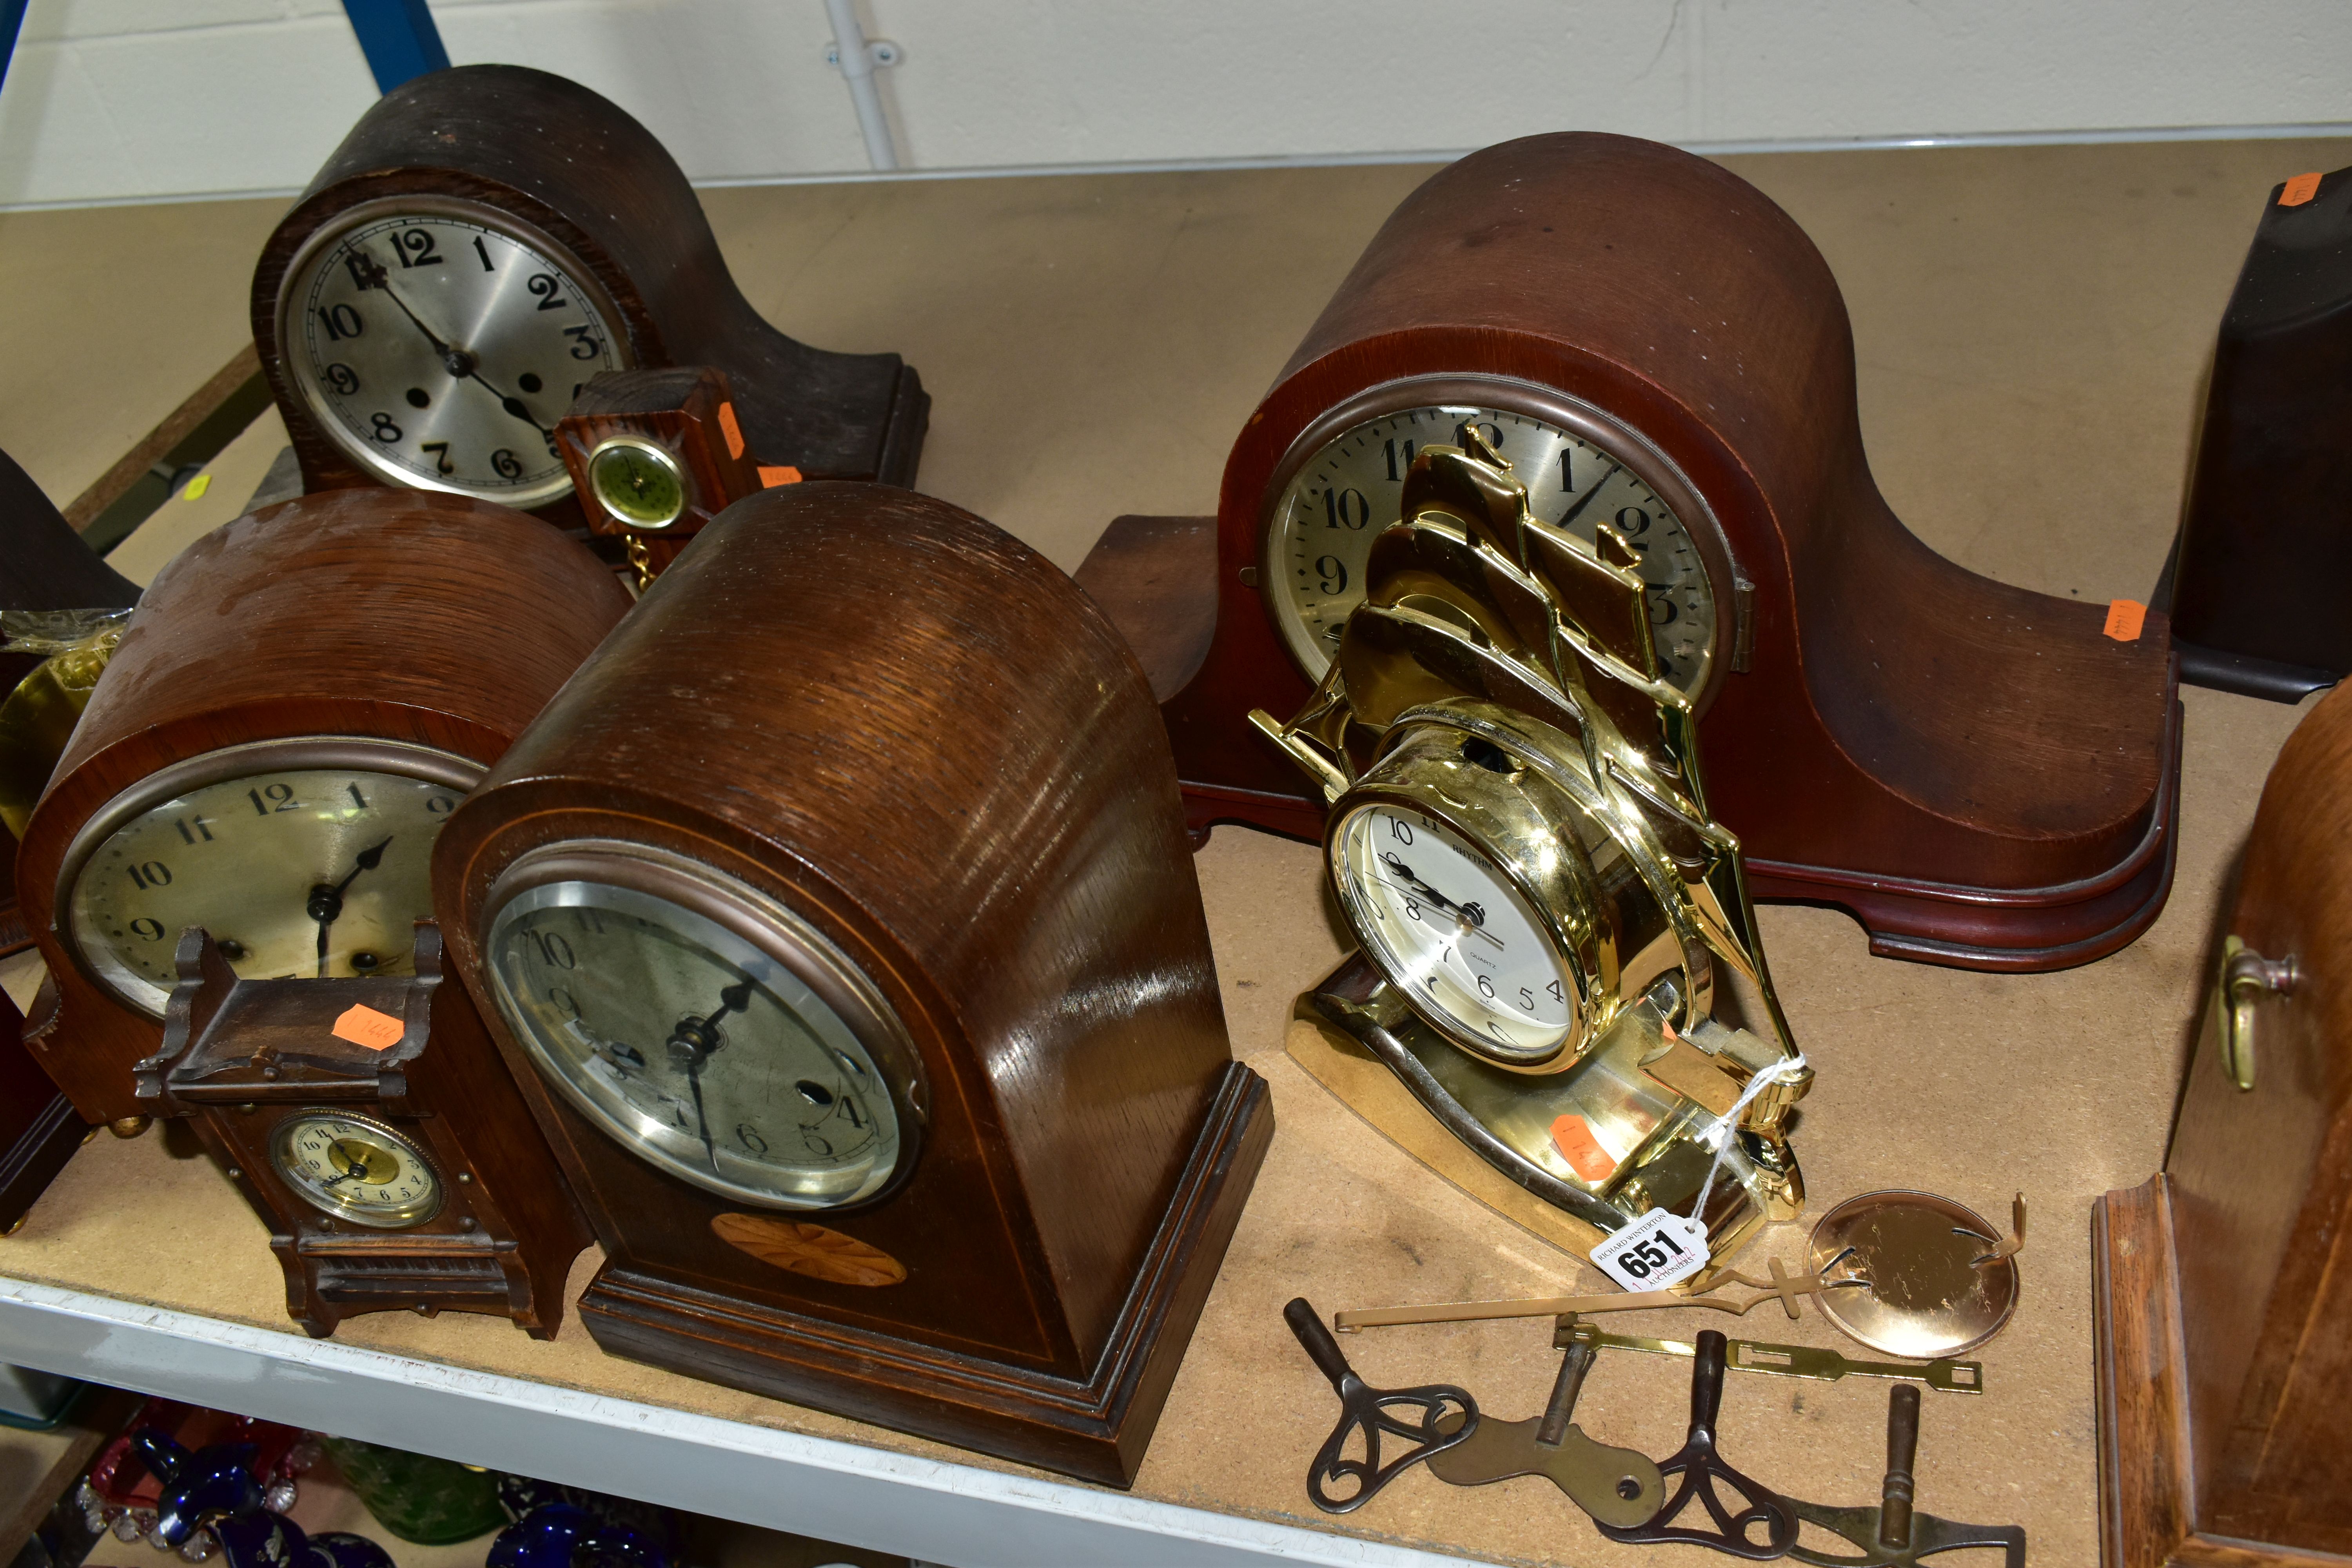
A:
1094,1425
242,1056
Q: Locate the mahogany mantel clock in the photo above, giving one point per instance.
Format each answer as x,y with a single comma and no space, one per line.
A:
883,1046
485,240
1977,772
371,1125
303,697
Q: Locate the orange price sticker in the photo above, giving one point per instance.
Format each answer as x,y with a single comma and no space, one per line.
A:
2125,619
363,1026
733,431
2299,190
771,477
1581,1150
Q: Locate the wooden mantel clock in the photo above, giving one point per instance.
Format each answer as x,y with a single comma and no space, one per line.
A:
2223,1301
303,697
371,1125
1977,772
883,1045
485,240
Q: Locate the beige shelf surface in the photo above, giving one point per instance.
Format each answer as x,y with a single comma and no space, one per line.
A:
2031,325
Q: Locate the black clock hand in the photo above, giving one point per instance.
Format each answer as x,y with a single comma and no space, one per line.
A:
1585,500
326,905
1470,915
457,361
693,1042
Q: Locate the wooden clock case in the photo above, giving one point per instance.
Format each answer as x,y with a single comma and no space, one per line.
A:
965,788
388,614
44,565
2270,500
240,1057
570,162
1974,772
688,412
2219,1289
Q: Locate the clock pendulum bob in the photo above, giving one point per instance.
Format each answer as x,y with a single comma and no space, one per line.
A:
2224,1329
2270,503
654,455
883,1045
1977,773
373,1126
1521,842
484,242
44,565
299,701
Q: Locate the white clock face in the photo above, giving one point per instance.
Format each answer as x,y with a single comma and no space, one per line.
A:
303,872
695,1048
357,1169
1321,532
1446,927
440,350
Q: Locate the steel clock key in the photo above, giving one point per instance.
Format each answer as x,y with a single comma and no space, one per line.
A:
1365,1408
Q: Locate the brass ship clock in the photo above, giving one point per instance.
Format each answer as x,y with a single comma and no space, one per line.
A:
1550,917
883,1045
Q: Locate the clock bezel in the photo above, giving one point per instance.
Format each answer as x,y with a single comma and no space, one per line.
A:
356,753
1727,582
407,1217
296,281
786,937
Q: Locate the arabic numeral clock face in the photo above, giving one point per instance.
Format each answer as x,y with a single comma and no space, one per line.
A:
356,1169
1448,926
439,346
1578,471
318,867
764,1070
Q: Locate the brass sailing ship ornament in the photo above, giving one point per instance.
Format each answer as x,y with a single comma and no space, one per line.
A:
1550,919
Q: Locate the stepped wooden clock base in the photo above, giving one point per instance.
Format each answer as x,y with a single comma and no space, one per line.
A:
2148,1515
1095,1430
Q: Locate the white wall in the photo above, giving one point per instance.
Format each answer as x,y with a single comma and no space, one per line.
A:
110,100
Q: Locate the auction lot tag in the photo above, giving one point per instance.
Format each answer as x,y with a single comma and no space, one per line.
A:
1653,1252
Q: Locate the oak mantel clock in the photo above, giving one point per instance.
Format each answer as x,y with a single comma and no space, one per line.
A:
485,240
1976,772
2224,1325
883,1046
373,1127
303,697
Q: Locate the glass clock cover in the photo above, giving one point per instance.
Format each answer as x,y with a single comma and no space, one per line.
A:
308,872
1322,529
1445,924
356,1169
439,344
699,1050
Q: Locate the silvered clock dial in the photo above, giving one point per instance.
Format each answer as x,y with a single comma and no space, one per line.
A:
1339,488
438,343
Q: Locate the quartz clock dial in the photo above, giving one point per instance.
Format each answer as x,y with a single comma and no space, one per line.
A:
438,345
1455,929
357,1169
698,1050
298,871
1346,490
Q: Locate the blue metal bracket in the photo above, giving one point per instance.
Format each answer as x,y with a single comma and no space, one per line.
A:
397,36
12,21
